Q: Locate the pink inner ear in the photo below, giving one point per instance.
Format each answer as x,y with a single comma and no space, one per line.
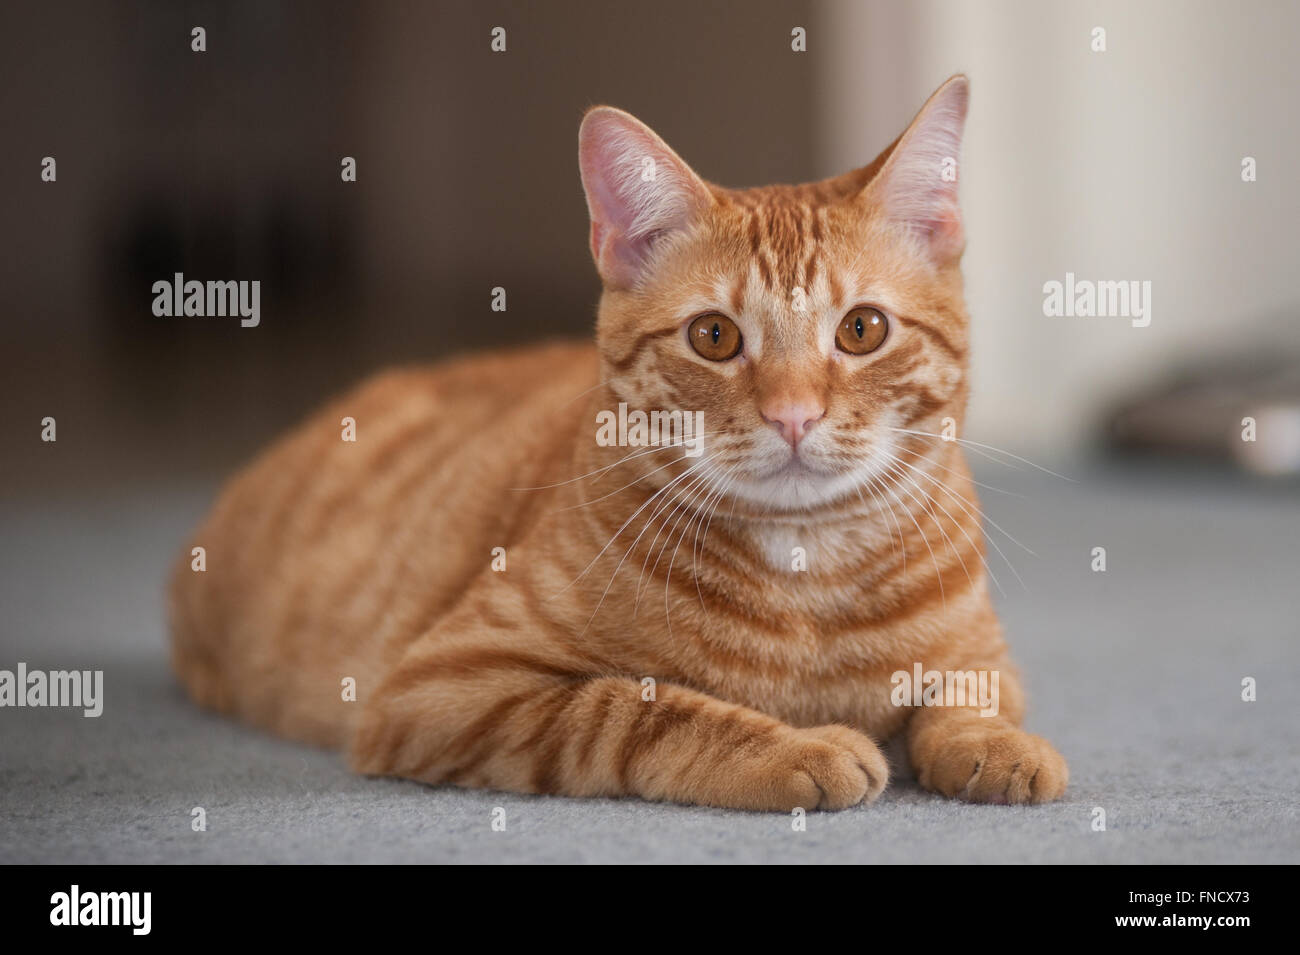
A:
912,189
946,235
628,210
618,258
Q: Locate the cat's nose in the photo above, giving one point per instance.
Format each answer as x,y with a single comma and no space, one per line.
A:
793,419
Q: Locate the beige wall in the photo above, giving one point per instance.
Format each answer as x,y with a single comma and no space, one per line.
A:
1115,165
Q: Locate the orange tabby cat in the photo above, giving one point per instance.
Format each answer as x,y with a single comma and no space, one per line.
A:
525,604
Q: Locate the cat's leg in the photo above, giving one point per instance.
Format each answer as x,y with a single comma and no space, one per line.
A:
960,753
478,711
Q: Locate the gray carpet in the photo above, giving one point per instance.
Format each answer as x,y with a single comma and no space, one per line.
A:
1135,675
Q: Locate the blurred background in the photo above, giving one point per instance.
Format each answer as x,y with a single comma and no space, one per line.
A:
1123,165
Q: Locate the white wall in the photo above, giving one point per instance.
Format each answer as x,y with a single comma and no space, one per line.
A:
1116,165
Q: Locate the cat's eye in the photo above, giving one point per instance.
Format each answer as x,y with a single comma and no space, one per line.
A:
862,330
714,337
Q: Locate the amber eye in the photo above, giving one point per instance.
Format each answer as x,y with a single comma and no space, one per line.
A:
863,330
714,337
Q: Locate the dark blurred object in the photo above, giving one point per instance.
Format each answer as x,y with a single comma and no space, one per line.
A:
226,165
1245,411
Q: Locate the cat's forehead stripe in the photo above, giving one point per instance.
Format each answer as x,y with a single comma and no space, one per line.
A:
757,246
785,231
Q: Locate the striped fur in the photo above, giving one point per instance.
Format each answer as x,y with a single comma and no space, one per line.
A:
372,559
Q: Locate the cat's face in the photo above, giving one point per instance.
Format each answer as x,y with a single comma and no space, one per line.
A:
813,326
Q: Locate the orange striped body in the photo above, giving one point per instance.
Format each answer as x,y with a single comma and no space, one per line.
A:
521,606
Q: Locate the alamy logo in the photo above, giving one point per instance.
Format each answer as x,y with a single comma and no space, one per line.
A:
656,429
924,687
102,908
76,688
211,299
1087,299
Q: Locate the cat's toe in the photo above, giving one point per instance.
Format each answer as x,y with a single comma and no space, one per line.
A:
1007,766
846,767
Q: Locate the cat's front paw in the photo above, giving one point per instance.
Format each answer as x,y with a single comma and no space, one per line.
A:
824,767
994,765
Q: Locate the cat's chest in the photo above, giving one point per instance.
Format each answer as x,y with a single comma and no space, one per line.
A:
797,678
794,554
805,653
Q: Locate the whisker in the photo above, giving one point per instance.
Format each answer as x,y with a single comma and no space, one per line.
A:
690,496
635,453
646,504
883,505
692,510
955,472
965,442
982,517
619,565
937,575
731,481
928,507
668,576
679,444
603,497
957,523
696,547
650,549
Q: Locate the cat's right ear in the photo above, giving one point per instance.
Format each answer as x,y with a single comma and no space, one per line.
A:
917,186
638,190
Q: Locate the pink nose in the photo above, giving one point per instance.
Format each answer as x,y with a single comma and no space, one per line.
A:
793,420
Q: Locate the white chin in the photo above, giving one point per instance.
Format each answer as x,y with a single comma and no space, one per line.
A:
795,488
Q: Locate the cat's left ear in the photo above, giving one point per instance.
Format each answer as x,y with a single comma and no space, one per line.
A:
638,191
917,186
